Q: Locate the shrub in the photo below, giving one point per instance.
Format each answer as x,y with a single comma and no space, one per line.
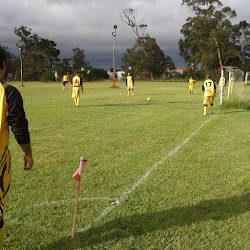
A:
47,76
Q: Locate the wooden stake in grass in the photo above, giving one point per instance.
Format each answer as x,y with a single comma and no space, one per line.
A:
77,176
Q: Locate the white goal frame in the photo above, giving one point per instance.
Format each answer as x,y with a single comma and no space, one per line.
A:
247,73
228,69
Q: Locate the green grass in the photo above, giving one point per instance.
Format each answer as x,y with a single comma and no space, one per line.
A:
198,198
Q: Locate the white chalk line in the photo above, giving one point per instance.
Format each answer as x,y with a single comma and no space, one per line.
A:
45,229
33,226
140,181
46,203
72,200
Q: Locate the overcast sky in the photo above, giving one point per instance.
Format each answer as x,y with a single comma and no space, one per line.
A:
88,24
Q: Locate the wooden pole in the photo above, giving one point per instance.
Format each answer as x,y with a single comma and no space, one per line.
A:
75,210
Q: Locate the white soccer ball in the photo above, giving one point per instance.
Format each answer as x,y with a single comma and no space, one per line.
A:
149,99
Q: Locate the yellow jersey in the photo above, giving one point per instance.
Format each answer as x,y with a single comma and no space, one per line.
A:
65,78
76,81
191,82
209,88
129,81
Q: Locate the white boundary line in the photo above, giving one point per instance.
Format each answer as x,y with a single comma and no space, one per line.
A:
140,181
72,200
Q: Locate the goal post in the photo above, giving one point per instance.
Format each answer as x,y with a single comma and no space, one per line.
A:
232,76
247,73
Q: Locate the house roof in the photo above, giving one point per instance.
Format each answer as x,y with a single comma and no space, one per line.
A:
181,68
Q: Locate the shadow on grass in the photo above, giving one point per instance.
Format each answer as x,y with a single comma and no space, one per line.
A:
139,224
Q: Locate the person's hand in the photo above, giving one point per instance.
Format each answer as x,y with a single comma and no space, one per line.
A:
28,161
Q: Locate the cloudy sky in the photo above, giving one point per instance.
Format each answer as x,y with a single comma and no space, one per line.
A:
88,24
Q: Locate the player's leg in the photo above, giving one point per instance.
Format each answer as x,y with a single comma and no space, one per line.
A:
211,104
132,90
128,90
205,103
75,100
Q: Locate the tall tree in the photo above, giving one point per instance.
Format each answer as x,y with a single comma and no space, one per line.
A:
12,63
39,54
78,58
210,38
145,58
143,67
63,67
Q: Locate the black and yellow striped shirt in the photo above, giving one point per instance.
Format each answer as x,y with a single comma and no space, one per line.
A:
11,114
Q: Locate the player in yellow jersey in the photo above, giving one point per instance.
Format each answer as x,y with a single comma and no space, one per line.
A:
209,89
231,85
11,114
76,85
65,79
191,82
223,84
130,84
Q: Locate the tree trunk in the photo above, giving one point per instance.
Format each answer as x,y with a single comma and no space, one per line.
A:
151,75
218,51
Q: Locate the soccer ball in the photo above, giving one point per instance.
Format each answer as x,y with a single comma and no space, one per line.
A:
149,99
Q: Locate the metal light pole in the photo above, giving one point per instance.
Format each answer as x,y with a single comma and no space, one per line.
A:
21,66
114,34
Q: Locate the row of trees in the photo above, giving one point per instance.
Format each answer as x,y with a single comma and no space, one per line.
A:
41,58
209,40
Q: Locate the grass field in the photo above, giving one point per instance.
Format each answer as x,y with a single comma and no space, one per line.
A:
160,175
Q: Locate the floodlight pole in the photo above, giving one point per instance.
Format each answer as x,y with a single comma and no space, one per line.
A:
114,34
21,66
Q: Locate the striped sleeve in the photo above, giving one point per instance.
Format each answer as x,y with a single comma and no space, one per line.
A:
16,115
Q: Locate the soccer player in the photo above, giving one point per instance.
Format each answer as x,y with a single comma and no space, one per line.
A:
11,114
130,84
209,89
231,86
65,80
191,82
75,88
223,84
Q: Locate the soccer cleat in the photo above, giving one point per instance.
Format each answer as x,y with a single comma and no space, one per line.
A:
204,113
132,93
211,112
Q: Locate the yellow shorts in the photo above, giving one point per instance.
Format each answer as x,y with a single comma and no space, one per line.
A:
191,88
208,99
130,86
76,92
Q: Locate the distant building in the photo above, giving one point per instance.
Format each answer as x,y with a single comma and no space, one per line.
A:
173,72
180,70
119,74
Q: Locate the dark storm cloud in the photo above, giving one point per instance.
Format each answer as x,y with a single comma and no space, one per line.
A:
88,24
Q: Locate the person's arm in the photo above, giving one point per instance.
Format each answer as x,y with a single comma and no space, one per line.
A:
81,84
133,80
126,81
28,159
19,124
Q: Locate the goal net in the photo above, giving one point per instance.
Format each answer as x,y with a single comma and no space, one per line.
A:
231,83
